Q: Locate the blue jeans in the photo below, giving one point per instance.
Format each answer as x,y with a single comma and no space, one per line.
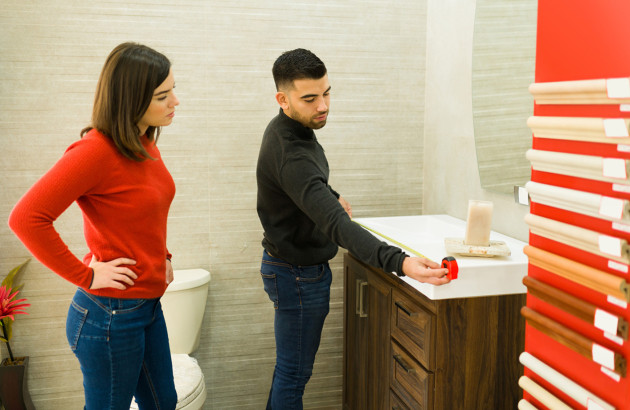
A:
301,296
123,349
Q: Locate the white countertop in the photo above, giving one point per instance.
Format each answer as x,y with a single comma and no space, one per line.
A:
477,276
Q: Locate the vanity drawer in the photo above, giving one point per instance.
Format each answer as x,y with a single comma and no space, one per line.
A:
410,380
395,403
412,326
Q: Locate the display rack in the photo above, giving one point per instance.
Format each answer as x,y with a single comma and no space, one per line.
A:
577,314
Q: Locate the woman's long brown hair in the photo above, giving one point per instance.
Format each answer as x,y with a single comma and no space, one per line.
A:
125,88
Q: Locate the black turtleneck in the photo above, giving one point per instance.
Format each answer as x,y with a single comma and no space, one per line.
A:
300,213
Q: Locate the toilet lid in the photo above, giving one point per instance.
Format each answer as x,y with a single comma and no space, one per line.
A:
189,381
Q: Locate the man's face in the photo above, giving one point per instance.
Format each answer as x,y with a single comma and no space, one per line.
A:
307,101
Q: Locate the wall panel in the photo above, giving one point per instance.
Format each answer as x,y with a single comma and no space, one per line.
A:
222,52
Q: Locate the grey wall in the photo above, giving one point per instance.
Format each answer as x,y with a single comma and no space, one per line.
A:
222,52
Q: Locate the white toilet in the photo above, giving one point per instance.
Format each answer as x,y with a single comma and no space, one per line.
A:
184,304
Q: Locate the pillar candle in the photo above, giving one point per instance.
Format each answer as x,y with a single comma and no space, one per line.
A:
478,223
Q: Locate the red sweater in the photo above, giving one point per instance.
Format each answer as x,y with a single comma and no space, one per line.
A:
124,204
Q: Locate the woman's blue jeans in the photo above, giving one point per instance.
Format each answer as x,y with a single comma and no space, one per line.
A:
301,296
122,346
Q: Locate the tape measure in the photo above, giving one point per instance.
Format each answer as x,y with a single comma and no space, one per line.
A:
448,262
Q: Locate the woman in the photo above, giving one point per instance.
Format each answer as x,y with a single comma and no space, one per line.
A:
115,324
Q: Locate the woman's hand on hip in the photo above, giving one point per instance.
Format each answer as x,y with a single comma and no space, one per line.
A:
111,274
169,272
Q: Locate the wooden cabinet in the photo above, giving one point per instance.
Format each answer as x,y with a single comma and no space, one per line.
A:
366,356
405,351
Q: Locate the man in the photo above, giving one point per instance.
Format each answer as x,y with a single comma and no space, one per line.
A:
304,222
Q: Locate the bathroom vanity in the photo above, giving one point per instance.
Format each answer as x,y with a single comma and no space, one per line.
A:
409,345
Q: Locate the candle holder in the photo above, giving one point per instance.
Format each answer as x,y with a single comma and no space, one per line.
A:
478,223
477,240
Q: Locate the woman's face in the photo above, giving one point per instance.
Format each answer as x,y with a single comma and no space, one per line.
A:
161,111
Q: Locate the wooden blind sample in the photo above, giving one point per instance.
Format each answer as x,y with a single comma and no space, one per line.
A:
585,129
593,167
581,202
592,278
590,241
541,394
525,405
561,382
571,304
598,91
569,338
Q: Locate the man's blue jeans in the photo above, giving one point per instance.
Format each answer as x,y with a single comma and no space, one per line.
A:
301,296
122,346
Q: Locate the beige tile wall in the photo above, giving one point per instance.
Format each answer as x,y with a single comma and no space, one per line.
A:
222,52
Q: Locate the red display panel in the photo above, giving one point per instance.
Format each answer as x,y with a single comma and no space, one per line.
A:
578,40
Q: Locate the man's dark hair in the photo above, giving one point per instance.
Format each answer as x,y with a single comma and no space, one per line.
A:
297,64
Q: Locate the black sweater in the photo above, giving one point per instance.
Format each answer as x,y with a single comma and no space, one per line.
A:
300,213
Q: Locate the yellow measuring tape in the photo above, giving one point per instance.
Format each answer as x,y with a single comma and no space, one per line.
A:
400,245
448,262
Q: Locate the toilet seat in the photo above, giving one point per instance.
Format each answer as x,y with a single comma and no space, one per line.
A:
189,383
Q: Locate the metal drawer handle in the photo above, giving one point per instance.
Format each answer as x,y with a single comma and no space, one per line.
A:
362,312
401,307
404,364
359,298
356,296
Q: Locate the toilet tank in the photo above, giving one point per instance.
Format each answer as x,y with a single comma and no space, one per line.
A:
184,305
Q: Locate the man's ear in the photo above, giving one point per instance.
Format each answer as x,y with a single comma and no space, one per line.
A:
282,99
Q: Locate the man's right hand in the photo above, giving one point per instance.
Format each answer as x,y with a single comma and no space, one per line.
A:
425,270
111,275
